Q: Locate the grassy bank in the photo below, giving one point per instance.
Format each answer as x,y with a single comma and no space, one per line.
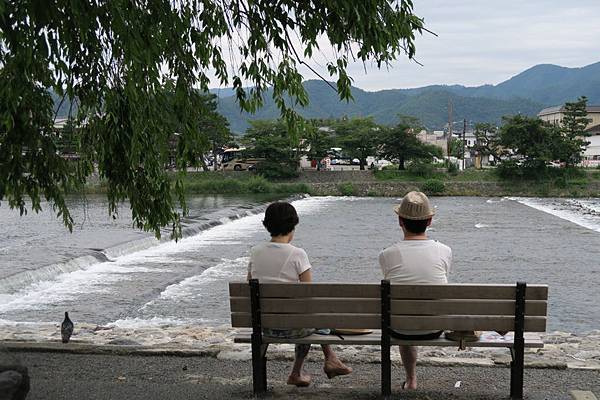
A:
553,183
391,183
240,183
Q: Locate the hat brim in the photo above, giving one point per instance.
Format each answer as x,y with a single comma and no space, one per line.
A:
421,217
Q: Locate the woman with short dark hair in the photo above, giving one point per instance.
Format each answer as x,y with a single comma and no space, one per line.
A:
279,261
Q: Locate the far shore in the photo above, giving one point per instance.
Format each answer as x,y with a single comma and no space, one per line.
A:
388,183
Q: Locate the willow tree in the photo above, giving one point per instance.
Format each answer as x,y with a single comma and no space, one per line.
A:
112,58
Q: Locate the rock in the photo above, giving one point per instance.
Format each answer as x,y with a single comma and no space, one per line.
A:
14,383
10,381
235,355
554,364
589,354
457,362
123,342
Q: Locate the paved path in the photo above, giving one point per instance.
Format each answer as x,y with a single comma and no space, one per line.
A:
102,376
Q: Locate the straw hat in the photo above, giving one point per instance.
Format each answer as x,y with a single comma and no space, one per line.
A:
415,205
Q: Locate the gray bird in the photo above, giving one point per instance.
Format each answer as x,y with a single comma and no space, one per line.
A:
66,329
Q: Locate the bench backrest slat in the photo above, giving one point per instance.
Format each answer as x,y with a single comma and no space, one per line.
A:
369,290
320,305
466,291
413,307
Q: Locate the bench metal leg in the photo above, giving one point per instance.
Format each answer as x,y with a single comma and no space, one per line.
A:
386,372
259,349
518,351
259,368
386,362
516,372
263,352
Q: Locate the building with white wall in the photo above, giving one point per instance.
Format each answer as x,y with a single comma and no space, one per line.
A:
592,152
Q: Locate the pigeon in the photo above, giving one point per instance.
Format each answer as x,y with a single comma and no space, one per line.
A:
66,329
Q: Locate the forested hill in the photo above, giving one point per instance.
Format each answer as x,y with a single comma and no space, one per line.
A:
526,93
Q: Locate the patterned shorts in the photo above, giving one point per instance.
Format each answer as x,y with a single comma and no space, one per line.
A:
288,333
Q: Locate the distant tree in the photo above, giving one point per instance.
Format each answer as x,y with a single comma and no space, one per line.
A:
271,141
400,143
487,141
215,127
530,140
211,127
572,127
67,139
112,57
457,147
358,137
529,144
317,139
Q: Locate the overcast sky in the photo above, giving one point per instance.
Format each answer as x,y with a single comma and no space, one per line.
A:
483,41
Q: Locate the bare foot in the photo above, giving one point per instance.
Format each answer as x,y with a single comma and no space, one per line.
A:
334,368
300,380
410,384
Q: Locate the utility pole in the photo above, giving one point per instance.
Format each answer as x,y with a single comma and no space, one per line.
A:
449,138
464,141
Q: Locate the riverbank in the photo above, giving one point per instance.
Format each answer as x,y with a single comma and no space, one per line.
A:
102,376
386,184
395,183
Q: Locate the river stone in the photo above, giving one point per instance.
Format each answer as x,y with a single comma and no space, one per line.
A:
123,342
589,354
243,355
13,385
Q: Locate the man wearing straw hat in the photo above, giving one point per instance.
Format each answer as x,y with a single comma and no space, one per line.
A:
416,259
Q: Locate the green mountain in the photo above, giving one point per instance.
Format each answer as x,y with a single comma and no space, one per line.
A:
429,105
526,93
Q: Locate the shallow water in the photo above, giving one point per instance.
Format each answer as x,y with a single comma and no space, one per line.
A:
493,241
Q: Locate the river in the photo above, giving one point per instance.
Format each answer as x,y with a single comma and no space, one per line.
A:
109,274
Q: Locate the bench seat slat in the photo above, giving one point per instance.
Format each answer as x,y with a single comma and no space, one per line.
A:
373,306
373,321
532,340
466,322
362,290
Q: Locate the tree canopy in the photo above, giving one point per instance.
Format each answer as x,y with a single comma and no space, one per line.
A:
112,59
527,145
573,129
359,137
400,143
277,149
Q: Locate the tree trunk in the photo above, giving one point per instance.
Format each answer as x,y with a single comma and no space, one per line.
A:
214,153
362,163
203,165
401,164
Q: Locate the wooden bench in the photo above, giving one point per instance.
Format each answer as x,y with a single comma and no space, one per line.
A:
518,308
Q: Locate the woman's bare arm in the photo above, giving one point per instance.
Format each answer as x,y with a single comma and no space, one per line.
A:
306,276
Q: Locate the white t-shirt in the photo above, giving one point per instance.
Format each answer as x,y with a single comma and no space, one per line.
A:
277,262
416,261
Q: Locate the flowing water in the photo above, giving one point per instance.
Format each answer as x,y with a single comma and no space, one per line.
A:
107,273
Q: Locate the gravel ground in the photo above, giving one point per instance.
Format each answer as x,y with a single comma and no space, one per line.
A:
83,376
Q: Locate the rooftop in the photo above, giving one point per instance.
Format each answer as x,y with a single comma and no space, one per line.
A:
560,109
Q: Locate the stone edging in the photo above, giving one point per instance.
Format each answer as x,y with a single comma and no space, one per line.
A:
355,354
